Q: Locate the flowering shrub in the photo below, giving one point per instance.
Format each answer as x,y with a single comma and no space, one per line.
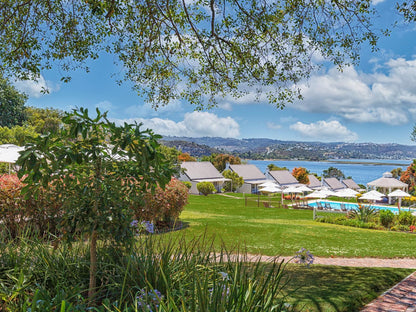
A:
18,213
412,228
163,204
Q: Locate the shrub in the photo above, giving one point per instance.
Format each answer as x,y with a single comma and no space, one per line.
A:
17,213
187,184
386,217
163,204
406,218
205,188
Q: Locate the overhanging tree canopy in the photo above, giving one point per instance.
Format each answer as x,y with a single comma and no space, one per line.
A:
196,50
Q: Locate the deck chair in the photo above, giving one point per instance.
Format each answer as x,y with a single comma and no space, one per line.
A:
319,205
343,207
328,206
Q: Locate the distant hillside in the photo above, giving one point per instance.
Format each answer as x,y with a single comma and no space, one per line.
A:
190,147
276,149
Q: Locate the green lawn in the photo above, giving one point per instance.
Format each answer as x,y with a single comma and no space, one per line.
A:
272,231
334,288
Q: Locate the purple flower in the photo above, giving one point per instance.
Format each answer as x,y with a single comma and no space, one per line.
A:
134,223
148,226
303,256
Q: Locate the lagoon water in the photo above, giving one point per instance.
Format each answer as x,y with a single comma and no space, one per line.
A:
361,173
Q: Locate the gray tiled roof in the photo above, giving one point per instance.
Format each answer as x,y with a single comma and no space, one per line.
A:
334,183
351,184
248,172
283,177
313,181
201,170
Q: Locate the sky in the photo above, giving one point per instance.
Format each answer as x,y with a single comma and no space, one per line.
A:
372,102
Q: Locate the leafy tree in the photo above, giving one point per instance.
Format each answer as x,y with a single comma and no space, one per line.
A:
220,161
273,167
98,170
12,105
236,180
409,176
171,155
230,44
205,188
301,174
333,172
397,172
44,120
186,157
19,135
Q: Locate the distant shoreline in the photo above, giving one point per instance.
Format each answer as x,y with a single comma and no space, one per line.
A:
357,162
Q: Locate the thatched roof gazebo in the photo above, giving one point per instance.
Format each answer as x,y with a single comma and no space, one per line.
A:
387,183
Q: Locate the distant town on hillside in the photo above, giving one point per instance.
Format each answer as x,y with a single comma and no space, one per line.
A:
259,148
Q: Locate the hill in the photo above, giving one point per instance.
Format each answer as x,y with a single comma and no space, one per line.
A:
263,148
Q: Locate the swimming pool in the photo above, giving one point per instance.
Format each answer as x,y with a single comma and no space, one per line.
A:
350,206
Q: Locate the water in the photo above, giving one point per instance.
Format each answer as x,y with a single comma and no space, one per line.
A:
351,206
360,173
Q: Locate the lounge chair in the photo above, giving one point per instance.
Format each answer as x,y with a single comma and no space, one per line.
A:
343,207
319,205
328,206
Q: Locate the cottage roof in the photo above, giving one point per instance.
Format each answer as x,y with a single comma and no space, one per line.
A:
313,181
248,172
283,177
334,183
203,170
350,183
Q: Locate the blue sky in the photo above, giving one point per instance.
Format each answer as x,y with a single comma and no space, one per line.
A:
372,102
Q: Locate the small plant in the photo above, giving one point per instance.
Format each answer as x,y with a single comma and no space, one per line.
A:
406,218
386,217
142,227
364,213
205,188
187,184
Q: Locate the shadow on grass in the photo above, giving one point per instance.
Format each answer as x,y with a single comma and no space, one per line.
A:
334,288
166,227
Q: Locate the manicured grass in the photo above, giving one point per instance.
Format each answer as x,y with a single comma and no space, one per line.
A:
334,288
272,231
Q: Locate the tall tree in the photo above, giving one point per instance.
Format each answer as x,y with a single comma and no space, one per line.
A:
409,176
301,174
98,170
333,172
220,161
44,120
12,105
197,50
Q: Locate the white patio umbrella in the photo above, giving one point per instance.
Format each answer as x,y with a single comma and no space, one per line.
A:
304,188
292,189
268,183
328,192
373,195
347,193
9,153
399,194
271,189
317,194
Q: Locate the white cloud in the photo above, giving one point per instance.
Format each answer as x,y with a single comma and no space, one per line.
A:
195,124
329,131
146,109
379,97
37,88
104,105
273,126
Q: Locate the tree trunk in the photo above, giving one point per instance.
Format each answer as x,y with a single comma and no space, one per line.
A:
93,266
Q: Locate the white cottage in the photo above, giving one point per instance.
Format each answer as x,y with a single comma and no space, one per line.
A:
203,171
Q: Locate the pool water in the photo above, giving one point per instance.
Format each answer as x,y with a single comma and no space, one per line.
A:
351,206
